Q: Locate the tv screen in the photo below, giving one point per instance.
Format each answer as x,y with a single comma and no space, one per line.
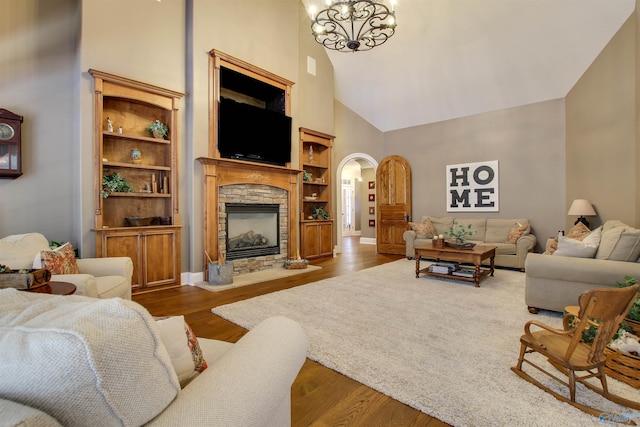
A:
246,132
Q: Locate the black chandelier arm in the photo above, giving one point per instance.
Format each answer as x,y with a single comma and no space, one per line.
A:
368,21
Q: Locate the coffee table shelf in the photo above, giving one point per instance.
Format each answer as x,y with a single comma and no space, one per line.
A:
474,256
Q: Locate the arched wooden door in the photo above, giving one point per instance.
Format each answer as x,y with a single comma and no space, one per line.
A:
393,201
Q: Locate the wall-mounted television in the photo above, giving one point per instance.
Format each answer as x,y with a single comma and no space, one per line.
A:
247,132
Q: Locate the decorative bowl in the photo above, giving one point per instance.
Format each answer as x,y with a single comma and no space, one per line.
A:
138,221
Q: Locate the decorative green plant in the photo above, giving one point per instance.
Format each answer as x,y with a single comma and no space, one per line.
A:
115,183
634,313
460,232
319,213
306,176
158,128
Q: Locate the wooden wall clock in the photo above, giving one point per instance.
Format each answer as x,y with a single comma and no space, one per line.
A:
10,144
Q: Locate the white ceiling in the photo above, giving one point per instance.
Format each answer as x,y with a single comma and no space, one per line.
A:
454,58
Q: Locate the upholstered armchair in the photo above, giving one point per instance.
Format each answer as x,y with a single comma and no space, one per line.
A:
97,277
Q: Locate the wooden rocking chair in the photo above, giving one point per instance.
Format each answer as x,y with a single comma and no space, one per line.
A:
603,308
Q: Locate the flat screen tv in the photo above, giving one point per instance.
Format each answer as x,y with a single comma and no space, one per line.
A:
250,133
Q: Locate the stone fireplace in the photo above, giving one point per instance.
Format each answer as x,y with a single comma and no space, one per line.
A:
242,187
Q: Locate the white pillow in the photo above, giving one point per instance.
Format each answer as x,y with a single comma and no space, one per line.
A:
175,340
83,360
586,248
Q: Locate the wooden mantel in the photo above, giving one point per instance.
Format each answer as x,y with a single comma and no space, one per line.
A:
218,172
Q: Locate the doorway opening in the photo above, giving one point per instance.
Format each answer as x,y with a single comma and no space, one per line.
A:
356,174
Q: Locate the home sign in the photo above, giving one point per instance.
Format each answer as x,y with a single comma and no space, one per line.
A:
472,187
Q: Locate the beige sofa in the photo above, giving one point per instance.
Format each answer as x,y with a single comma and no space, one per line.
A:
553,282
98,278
113,366
490,231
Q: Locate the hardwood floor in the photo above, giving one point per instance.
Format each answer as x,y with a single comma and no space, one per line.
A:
320,396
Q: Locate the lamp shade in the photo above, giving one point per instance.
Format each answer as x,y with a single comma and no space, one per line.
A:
581,207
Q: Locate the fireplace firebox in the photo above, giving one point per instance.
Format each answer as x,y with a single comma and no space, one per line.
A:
252,230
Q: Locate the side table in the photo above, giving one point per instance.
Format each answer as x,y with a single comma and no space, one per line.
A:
55,288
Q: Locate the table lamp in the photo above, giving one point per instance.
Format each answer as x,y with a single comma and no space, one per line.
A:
582,208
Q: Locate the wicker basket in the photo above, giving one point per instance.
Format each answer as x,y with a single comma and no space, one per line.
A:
296,264
624,366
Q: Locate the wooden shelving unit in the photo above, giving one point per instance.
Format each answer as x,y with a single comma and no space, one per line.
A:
316,233
131,106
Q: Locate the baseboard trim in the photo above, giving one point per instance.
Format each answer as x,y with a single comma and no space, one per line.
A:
367,241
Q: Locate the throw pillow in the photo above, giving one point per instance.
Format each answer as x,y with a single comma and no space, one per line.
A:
424,229
182,345
579,249
61,260
552,245
578,232
516,232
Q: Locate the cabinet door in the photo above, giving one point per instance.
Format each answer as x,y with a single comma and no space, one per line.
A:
125,244
310,236
159,255
325,242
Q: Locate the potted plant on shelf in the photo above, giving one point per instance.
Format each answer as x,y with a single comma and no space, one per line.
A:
115,183
319,213
306,176
158,129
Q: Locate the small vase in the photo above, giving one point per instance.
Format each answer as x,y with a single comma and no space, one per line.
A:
136,156
157,134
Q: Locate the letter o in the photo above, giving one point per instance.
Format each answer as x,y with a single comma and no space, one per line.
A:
490,172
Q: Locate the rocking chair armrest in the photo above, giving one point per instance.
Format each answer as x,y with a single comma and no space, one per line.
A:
527,329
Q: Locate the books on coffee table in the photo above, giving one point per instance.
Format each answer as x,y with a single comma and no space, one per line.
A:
464,272
443,267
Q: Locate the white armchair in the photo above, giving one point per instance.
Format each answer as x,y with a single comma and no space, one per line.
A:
98,278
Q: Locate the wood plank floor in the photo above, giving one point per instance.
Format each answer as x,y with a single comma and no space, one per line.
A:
320,396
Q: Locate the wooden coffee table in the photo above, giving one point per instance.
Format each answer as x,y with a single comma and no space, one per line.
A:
475,256
55,288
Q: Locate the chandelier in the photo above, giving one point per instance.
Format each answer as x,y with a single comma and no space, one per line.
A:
350,26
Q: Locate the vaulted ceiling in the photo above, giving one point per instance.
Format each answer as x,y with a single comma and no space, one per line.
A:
454,58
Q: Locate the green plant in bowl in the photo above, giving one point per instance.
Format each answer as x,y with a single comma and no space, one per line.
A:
319,213
115,183
158,129
460,232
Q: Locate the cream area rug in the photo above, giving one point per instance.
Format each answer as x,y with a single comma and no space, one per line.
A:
257,277
441,346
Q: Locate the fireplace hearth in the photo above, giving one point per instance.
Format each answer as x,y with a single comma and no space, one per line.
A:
252,230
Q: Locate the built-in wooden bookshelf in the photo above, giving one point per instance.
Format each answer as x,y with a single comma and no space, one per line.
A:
316,232
124,109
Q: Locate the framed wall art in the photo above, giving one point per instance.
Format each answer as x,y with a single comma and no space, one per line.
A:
372,197
372,210
372,185
372,223
473,187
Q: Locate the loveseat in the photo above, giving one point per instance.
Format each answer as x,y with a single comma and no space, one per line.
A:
512,237
97,277
78,361
556,280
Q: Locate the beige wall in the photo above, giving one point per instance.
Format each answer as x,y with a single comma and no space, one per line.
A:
38,41
368,174
528,143
602,144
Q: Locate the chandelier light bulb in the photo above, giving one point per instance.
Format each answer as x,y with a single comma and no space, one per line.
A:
355,25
